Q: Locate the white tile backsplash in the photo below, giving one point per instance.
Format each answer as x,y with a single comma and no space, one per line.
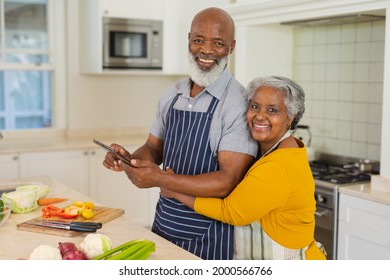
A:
332,72
331,109
345,112
377,51
346,92
348,33
363,51
378,31
332,91
344,130
347,52
333,34
361,93
375,91
347,71
363,32
341,70
375,113
333,53
376,72
319,54
360,112
359,131
362,72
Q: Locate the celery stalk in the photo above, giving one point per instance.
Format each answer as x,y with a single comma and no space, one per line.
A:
116,249
144,252
128,251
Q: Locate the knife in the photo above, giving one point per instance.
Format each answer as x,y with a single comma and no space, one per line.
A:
73,226
87,224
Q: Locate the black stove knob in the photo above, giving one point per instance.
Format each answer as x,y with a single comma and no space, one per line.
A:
321,199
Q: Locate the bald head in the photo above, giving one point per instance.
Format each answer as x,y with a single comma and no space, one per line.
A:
215,16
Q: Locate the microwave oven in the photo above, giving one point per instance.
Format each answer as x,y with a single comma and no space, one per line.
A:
132,43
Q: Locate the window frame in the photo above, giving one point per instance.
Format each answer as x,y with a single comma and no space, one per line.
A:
56,64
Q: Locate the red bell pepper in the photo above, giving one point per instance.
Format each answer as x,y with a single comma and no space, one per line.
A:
52,211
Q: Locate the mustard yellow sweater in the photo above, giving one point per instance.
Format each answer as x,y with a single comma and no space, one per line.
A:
278,191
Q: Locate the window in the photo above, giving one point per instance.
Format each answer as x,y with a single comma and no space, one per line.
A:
27,72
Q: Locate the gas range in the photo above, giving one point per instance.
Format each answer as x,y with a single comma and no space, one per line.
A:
329,175
337,171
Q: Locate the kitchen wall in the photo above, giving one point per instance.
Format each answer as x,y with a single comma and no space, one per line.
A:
341,70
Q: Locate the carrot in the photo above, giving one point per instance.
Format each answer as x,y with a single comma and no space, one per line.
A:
50,200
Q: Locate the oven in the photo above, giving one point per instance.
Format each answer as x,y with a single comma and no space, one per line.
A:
330,173
326,219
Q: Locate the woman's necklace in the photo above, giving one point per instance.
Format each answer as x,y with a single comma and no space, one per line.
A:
287,134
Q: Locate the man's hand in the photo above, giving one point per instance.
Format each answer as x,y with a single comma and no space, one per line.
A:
112,162
144,174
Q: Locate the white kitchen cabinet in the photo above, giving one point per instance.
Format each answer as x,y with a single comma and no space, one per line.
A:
69,167
364,229
150,9
9,166
114,189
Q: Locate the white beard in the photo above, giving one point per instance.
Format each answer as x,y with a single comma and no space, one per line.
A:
205,78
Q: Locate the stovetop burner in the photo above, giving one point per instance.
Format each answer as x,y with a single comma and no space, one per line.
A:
338,174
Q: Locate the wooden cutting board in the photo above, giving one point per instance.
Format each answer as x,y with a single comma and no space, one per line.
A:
102,215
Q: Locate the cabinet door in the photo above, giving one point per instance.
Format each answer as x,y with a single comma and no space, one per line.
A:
114,189
9,166
364,229
69,167
361,243
151,9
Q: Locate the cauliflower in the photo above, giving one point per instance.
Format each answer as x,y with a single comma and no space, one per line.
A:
46,252
95,244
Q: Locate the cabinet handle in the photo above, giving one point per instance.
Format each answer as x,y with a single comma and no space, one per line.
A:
86,153
93,153
15,158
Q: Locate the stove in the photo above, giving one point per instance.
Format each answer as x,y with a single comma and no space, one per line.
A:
338,175
330,173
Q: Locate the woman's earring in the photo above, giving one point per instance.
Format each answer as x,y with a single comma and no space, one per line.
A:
288,126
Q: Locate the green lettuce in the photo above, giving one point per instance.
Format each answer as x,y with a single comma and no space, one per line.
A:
23,201
42,190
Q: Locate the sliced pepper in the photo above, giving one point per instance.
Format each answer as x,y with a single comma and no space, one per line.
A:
83,203
66,215
86,212
52,211
71,209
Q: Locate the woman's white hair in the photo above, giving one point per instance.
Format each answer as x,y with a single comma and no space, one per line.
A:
295,96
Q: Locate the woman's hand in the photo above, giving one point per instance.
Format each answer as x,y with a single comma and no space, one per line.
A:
167,193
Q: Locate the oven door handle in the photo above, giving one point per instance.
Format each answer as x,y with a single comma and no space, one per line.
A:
321,213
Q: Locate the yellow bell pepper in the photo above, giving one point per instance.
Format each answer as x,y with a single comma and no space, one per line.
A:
86,212
83,203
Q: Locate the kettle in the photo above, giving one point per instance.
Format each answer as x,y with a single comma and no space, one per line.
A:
310,150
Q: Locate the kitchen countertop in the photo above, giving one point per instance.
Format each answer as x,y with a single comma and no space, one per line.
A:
366,192
18,244
60,141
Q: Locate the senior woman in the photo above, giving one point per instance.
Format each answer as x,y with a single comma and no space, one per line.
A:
276,196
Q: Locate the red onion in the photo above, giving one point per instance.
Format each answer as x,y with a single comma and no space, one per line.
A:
74,255
65,247
69,251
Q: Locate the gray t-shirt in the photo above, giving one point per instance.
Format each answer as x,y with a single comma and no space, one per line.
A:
229,130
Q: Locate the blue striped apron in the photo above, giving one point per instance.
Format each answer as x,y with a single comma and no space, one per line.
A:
187,151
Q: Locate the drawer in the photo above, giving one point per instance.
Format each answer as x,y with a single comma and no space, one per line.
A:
365,213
